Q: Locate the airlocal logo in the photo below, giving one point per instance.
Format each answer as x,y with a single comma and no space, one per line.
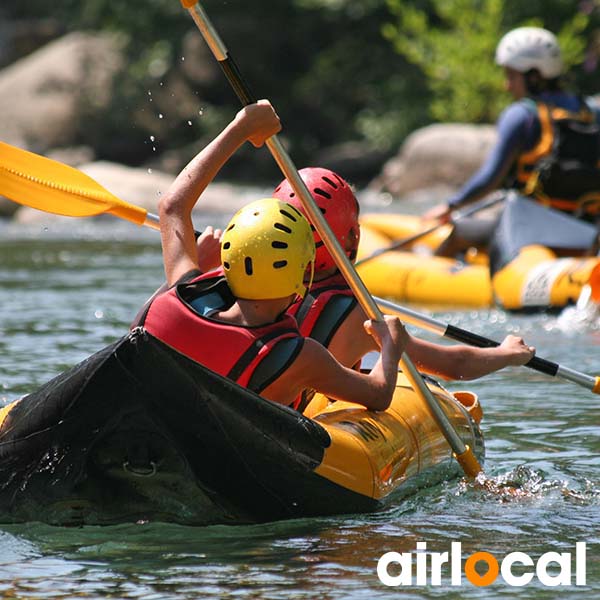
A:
551,568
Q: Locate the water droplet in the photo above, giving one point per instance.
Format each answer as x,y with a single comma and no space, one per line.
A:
149,93
152,138
160,115
190,123
99,314
183,58
149,170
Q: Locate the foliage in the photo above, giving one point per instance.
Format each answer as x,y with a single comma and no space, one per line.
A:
454,41
325,65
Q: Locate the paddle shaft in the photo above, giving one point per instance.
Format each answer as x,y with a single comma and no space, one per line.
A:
472,339
463,453
467,212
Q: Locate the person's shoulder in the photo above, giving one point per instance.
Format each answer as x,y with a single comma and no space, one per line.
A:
517,115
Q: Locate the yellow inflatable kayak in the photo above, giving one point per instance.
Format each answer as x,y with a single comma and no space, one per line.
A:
525,274
139,432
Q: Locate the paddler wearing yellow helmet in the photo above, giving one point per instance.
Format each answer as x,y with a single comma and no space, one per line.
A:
234,320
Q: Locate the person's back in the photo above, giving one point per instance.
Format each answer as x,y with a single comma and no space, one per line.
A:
547,139
330,313
236,324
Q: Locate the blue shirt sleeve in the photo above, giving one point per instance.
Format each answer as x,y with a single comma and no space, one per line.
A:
518,129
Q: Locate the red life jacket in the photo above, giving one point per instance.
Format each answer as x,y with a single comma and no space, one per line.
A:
320,314
324,308
180,318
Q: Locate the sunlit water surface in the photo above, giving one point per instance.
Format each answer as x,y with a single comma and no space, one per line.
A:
68,290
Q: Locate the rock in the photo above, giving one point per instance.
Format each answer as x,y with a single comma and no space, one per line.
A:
20,37
45,97
357,162
440,154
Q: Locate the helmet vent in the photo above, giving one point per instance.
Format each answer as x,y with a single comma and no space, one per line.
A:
226,265
276,244
330,182
323,193
231,227
282,227
248,265
279,264
285,213
226,245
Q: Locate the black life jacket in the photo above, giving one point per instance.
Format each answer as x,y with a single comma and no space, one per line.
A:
563,169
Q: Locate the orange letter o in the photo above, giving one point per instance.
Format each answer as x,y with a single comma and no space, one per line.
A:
473,576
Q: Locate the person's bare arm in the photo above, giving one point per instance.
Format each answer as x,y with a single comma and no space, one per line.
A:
467,362
254,123
316,368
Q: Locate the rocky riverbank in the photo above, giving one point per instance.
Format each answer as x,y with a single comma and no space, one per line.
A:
59,100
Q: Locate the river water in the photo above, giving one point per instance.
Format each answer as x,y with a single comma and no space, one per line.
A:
70,287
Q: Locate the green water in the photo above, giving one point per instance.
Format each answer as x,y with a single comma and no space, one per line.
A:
66,291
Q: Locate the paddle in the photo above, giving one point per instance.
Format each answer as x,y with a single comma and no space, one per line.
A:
54,187
472,339
464,455
467,212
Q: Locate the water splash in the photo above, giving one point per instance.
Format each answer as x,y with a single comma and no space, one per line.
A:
524,483
584,316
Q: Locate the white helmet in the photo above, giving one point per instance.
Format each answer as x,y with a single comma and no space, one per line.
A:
527,48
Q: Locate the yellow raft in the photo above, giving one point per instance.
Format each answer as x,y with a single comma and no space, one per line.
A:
536,278
139,432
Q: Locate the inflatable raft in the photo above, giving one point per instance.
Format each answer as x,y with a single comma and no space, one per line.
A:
139,432
538,260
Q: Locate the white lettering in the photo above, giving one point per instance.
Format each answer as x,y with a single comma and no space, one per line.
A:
563,559
437,560
456,562
405,562
580,563
421,563
506,569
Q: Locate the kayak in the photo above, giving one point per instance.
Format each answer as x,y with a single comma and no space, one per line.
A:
139,432
537,262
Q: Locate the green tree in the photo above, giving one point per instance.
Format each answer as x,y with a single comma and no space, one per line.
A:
454,41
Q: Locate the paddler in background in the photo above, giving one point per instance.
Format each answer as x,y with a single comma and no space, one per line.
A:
234,321
330,313
548,143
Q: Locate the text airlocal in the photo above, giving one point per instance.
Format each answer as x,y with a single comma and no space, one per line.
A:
423,568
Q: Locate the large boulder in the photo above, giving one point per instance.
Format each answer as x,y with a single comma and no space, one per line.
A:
46,96
440,154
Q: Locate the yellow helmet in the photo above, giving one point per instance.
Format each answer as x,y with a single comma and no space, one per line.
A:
266,250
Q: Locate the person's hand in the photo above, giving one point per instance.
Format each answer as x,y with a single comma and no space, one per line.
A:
389,331
517,351
208,248
441,213
260,122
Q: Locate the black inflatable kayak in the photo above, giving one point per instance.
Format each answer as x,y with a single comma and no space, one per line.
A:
139,432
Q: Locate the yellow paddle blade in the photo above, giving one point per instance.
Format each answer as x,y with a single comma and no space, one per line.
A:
51,186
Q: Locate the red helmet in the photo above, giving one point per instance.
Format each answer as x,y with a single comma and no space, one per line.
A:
337,203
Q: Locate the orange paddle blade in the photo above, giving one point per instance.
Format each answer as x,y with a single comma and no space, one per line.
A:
51,186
